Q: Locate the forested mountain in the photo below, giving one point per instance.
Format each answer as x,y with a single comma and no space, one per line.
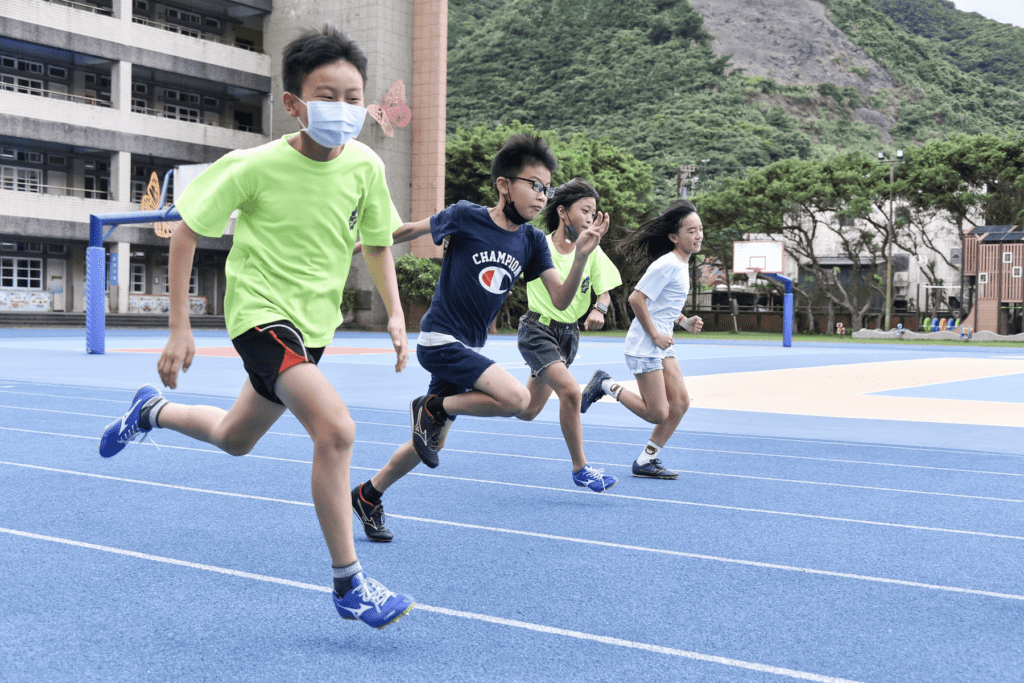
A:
977,45
646,75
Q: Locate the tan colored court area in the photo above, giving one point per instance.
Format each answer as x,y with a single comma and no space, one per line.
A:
846,391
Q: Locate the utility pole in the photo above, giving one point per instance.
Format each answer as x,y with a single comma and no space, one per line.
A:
889,233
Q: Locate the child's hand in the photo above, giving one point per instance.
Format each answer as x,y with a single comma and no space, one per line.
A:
396,328
591,237
594,321
693,325
357,248
663,341
178,353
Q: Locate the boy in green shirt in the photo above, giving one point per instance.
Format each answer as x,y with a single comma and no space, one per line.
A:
549,337
301,201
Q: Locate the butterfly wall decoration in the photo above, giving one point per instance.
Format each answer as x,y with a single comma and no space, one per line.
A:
392,111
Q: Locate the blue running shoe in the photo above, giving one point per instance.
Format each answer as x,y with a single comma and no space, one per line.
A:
372,603
653,470
594,479
593,391
119,432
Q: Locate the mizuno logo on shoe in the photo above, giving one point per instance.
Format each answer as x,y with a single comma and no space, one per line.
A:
356,613
130,410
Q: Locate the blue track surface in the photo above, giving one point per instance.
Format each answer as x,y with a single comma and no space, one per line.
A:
799,547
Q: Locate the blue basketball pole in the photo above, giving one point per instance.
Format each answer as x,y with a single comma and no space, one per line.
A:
787,308
96,265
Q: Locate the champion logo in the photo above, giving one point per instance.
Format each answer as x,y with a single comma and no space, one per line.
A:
495,280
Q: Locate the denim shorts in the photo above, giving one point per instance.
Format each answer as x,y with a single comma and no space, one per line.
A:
640,365
545,343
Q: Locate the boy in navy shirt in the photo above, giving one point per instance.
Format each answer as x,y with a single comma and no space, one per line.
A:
486,250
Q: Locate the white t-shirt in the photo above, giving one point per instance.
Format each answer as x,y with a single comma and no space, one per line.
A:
666,284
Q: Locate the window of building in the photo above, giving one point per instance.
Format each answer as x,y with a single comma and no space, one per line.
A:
138,285
28,86
193,282
138,190
21,179
56,160
21,273
6,82
212,23
31,247
140,88
141,6
90,78
191,98
58,249
181,113
104,81
31,67
96,187
139,106
57,72
211,102
8,62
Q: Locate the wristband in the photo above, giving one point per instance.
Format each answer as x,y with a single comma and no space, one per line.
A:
601,307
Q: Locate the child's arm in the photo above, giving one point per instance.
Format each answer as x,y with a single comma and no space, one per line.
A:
562,293
693,324
181,346
595,320
638,302
406,233
381,264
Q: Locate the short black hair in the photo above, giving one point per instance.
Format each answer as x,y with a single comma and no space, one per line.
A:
313,49
566,195
518,152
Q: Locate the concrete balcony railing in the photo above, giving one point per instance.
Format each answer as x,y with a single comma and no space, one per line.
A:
61,108
94,22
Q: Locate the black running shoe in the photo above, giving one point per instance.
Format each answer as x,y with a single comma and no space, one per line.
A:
372,517
426,432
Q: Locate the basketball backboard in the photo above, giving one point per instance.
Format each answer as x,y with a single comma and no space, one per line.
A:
766,256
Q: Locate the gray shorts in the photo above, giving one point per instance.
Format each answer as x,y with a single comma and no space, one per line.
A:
543,341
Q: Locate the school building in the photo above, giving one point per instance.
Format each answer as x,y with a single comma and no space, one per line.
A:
96,96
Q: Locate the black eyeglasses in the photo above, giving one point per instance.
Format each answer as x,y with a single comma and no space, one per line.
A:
538,186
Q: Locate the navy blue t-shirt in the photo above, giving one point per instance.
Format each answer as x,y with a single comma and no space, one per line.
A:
480,265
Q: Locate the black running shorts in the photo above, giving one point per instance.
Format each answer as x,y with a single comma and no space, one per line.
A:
270,349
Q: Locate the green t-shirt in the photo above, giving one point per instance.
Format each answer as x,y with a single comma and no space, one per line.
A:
297,222
600,276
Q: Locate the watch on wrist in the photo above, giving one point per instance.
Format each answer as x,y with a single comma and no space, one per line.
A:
601,307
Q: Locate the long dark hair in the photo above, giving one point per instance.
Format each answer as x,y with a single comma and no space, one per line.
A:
651,240
566,195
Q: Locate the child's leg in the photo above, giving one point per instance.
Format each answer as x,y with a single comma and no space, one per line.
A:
495,393
558,378
235,431
678,400
312,399
402,461
652,402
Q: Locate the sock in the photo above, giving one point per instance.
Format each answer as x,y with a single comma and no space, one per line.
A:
435,408
151,411
369,493
612,388
650,453
343,577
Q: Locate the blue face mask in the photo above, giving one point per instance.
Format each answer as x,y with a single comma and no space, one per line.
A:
332,124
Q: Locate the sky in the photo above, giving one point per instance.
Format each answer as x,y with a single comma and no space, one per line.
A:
1003,11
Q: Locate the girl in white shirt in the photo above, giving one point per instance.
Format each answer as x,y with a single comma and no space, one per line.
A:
667,242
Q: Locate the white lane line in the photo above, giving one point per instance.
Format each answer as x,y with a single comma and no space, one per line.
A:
607,494
568,539
513,623
626,428
303,435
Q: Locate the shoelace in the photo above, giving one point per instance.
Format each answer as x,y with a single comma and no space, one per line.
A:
593,474
135,434
372,591
377,516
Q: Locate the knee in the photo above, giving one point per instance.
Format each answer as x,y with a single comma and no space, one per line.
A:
528,414
238,444
658,415
338,435
679,406
518,401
